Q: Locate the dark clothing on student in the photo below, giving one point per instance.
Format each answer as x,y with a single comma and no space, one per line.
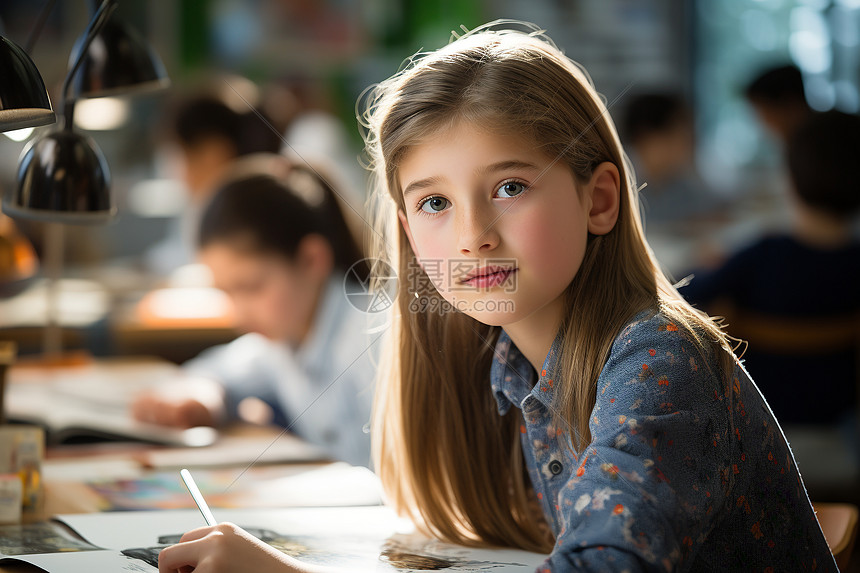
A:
686,470
779,277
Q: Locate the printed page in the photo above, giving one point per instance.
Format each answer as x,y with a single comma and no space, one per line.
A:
355,539
93,400
84,562
50,546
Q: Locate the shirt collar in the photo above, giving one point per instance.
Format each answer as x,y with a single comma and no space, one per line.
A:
512,377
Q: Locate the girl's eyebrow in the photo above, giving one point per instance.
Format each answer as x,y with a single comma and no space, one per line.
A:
421,184
504,166
483,170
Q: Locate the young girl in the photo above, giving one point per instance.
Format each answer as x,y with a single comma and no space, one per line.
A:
276,242
545,386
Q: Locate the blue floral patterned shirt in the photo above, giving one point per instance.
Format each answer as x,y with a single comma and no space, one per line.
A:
683,471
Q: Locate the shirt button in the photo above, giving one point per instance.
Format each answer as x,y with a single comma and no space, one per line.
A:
555,467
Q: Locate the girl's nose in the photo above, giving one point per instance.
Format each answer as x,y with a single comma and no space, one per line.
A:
477,232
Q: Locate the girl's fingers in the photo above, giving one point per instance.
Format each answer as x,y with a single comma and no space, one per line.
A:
224,547
198,533
143,406
180,557
185,555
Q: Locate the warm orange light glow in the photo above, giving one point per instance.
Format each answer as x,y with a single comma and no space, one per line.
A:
185,307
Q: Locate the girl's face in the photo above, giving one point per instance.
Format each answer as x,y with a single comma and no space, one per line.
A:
269,294
499,227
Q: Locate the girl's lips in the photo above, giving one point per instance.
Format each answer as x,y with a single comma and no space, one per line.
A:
491,279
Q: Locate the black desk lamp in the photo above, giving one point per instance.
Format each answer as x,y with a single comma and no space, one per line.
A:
63,177
24,101
118,62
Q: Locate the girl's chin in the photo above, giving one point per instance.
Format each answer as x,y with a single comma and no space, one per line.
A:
495,318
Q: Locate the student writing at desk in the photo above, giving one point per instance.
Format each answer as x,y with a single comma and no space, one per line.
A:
549,390
279,247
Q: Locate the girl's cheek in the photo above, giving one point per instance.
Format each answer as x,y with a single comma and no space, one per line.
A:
437,250
432,245
555,254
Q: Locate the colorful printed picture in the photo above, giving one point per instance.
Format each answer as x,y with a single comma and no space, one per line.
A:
35,538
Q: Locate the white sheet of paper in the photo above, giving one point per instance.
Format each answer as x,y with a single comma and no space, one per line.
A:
94,400
355,538
84,562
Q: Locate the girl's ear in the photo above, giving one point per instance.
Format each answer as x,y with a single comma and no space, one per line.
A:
604,194
315,257
405,222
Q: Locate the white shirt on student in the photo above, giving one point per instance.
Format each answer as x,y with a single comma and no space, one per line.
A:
324,387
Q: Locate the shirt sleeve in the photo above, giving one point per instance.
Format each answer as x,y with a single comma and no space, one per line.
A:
329,402
244,369
326,402
650,486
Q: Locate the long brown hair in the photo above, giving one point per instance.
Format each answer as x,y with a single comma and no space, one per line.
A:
445,456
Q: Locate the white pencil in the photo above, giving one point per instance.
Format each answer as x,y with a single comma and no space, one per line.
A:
198,497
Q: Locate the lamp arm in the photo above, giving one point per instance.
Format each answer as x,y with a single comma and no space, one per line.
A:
37,28
96,24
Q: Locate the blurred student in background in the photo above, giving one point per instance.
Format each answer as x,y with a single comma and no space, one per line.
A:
303,109
276,242
778,98
658,133
208,135
796,297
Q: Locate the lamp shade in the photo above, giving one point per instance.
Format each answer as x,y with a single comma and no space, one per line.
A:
118,61
62,177
24,101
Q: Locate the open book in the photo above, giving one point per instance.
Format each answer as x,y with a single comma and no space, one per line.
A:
79,403
350,538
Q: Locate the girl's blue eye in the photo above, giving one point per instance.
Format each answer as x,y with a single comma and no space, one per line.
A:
434,205
510,189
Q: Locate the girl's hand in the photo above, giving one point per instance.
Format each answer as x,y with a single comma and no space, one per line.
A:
184,404
182,413
224,548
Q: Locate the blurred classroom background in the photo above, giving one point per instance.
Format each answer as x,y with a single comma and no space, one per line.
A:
304,63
